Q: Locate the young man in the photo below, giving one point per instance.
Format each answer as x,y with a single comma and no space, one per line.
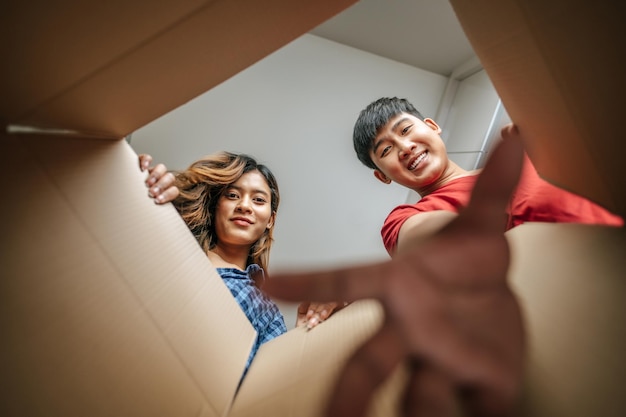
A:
400,145
449,311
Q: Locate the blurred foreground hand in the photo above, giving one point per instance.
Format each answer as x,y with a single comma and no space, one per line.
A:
449,310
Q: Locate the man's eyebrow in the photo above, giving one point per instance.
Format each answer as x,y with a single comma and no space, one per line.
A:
393,128
399,122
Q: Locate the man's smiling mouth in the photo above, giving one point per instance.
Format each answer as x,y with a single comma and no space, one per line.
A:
414,163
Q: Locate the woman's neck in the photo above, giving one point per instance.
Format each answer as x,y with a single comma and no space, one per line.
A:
227,257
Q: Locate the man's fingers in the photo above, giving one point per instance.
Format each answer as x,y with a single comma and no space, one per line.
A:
429,392
365,371
472,250
303,308
484,348
343,284
496,182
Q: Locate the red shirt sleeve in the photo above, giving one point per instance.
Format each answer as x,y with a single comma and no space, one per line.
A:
452,196
536,200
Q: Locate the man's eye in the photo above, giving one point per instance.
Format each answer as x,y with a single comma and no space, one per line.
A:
385,151
406,129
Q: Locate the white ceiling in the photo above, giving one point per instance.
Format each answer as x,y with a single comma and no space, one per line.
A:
421,33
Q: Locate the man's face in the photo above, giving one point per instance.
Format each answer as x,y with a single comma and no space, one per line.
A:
410,152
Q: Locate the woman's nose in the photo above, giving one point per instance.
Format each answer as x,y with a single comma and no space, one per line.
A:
244,204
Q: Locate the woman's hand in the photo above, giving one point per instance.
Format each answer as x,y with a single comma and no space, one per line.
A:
312,314
160,182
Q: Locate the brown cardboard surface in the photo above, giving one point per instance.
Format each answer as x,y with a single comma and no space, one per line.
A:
570,280
558,67
108,305
108,68
51,44
293,375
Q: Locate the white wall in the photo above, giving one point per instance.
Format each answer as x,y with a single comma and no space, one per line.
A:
470,118
294,111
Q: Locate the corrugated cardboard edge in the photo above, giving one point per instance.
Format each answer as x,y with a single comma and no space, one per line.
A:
558,67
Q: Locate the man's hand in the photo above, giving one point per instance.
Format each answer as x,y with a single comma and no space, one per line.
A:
450,312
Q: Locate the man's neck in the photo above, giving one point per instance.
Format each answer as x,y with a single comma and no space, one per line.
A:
453,172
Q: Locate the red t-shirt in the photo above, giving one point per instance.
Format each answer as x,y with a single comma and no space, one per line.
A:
534,200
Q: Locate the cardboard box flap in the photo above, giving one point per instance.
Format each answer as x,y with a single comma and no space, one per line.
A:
558,67
104,69
292,375
570,281
52,47
109,306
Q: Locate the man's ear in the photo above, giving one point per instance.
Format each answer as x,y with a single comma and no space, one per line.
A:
381,177
432,124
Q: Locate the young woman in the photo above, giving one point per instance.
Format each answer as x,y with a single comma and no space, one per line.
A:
166,187
229,202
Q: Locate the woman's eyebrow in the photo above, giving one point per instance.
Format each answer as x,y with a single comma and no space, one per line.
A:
253,191
265,193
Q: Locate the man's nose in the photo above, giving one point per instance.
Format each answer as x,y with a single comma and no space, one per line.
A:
406,148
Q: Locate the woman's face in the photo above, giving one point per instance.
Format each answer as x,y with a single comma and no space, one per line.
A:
244,211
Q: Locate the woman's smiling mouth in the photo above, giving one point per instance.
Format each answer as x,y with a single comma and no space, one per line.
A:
241,221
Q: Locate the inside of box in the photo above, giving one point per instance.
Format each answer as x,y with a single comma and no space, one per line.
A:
95,289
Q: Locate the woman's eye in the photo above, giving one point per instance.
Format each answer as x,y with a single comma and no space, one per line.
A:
260,200
231,196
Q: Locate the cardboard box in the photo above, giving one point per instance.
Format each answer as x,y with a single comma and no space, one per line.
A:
109,308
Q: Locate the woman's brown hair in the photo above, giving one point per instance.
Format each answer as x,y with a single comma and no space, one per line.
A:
202,184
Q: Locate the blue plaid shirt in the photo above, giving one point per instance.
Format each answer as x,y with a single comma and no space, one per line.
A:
262,312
